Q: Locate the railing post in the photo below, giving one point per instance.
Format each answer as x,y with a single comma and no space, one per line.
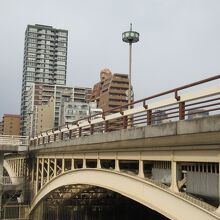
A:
91,129
80,131
106,126
54,137
43,140
149,117
70,134
61,136
125,122
182,110
48,140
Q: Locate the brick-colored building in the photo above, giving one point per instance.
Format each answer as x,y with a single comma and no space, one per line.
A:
110,91
1,128
11,124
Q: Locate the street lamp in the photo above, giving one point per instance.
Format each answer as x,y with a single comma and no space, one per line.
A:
130,37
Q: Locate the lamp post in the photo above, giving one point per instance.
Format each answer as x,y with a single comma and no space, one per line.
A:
130,37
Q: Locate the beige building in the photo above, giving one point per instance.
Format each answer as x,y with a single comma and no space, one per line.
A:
10,124
43,117
111,91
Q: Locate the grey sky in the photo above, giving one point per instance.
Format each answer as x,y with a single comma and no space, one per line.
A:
179,41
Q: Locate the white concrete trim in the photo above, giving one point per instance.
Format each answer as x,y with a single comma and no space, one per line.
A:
14,179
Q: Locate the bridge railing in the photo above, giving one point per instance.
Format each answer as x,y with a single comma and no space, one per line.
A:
14,140
186,102
16,212
7,180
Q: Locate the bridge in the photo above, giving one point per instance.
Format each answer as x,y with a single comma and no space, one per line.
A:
165,148
13,182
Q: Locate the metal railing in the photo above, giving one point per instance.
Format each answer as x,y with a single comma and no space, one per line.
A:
16,212
14,140
172,105
7,180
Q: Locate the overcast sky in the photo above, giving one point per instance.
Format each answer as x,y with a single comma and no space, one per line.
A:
179,41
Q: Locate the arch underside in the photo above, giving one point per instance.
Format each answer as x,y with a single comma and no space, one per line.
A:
161,200
15,180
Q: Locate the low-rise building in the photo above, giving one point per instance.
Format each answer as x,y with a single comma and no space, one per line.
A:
11,124
1,128
73,111
39,96
43,117
197,113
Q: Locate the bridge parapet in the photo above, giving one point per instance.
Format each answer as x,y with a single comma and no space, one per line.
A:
13,143
173,105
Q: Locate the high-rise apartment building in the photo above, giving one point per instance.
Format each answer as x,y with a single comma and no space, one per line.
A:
111,91
45,61
10,124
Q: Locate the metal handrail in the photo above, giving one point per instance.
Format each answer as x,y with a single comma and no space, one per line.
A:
175,108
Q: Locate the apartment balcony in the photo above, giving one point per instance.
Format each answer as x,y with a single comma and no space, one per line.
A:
118,97
117,103
119,85
119,79
118,91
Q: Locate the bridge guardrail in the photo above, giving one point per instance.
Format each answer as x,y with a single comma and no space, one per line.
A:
172,105
14,140
7,180
17,212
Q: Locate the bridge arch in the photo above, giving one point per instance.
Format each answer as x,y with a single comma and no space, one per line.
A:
161,200
14,179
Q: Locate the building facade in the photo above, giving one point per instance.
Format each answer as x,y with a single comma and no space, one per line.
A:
73,111
43,117
1,128
39,94
197,113
81,94
10,124
45,61
111,91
